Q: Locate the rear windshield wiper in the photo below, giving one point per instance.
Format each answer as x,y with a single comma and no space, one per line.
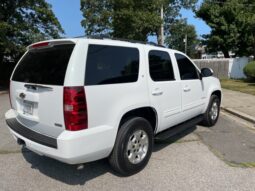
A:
36,87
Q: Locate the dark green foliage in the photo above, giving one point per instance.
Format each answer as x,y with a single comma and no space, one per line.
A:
249,70
232,23
23,22
177,32
130,19
135,19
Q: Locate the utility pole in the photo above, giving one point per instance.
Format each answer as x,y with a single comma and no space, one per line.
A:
161,32
185,41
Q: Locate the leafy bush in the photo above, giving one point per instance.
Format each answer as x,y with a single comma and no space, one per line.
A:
249,70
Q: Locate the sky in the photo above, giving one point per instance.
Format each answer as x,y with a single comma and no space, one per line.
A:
69,15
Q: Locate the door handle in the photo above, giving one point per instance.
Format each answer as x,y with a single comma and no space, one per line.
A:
186,89
157,93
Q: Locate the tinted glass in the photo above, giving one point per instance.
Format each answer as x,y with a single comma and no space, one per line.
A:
187,70
44,66
111,65
160,66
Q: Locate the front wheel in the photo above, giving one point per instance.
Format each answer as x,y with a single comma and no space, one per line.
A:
212,113
133,146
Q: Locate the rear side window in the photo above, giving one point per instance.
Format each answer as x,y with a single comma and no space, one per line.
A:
187,70
160,66
111,65
44,66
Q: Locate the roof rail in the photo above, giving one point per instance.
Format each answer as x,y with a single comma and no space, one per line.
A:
155,44
102,37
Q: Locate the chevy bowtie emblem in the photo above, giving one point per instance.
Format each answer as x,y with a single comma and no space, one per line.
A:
22,95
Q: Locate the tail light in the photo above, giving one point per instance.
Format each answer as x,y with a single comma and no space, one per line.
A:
75,108
10,94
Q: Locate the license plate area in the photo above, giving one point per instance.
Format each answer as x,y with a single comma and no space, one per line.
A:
28,107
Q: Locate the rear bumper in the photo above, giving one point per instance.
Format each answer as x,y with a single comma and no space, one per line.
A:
69,147
20,129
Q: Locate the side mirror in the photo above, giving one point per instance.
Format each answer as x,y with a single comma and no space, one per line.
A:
206,72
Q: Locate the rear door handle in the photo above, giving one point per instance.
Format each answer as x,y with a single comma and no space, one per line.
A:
157,93
186,89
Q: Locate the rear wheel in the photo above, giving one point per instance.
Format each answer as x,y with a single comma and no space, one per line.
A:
133,146
212,113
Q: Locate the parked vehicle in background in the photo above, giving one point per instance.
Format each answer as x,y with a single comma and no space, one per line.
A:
80,100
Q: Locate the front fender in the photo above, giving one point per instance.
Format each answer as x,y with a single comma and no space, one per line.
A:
211,85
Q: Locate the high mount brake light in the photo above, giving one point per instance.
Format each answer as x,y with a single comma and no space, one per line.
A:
75,108
40,45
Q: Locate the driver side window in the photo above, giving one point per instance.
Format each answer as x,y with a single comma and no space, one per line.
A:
186,68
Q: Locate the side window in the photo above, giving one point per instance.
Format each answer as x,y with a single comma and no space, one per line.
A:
187,70
160,66
111,65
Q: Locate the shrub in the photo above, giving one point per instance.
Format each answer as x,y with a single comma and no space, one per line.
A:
249,70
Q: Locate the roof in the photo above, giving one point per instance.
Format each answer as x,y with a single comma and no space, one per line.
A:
99,38
121,39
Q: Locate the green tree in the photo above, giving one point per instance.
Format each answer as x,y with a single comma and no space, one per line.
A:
178,30
135,19
232,24
130,19
23,22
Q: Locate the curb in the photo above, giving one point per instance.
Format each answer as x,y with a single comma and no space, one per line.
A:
3,92
239,114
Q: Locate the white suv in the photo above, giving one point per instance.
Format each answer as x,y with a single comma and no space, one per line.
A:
80,100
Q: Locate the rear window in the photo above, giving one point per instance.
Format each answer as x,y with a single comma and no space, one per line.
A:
111,65
44,66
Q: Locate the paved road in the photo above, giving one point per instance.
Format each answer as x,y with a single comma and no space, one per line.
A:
199,159
7,144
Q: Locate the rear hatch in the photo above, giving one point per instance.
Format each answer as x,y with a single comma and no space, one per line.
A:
36,87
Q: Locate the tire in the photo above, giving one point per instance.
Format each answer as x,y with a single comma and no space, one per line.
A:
212,113
132,150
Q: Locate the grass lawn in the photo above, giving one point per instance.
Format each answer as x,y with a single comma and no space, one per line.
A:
239,85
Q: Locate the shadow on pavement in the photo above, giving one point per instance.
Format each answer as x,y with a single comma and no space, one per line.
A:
162,144
4,88
69,173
